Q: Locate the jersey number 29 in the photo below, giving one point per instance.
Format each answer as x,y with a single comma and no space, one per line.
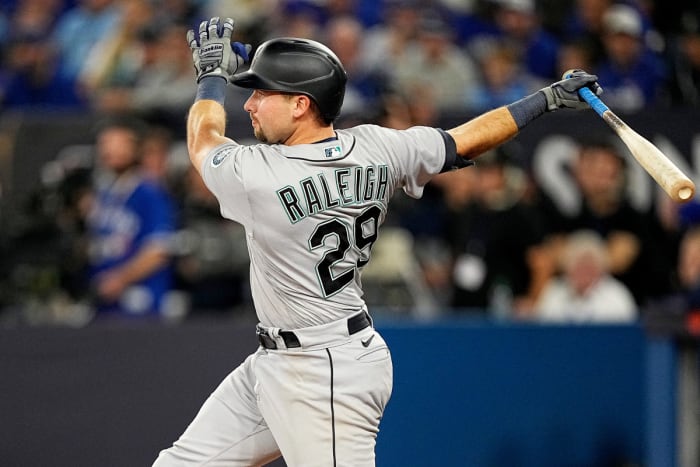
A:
332,283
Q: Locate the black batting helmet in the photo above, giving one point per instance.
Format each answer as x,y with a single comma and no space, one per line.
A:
300,66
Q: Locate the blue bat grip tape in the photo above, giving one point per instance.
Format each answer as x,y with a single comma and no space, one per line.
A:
597,105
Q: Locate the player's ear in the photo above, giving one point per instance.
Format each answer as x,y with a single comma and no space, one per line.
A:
303,104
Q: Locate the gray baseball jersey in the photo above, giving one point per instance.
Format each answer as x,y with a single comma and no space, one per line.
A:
312,212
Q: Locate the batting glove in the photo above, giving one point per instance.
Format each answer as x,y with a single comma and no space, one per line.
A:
564,93
213,53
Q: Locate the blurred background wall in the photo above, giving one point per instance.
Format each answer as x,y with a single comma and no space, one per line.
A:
467,392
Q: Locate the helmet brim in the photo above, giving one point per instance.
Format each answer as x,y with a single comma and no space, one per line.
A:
251,80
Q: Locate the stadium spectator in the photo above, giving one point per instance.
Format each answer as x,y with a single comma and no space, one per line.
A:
117,58
190,11
212,262
393,112
631,73
469,19
503,78
684,62
492,265
684,297
345,36
518,24
574,55
600,172
157,162
162,88
689,268
297,18
29,74
32,17
255,19
585,292
77,31
394,37
130,226
584,24
451,70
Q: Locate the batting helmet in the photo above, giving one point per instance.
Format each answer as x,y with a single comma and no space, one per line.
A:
299,66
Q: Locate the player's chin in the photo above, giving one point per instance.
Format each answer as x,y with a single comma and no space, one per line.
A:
259,135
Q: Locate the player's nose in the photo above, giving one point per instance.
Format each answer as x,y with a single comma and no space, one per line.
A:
248,104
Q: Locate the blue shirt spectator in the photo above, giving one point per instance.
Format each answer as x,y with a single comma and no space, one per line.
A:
30,78
631,74
79,29
503,79
130,225
29,75
517,22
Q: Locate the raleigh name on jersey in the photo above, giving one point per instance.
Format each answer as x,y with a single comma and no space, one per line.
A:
351,185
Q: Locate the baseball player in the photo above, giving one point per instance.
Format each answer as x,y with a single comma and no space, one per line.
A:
312,199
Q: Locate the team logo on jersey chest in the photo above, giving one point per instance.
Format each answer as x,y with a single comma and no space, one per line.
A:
333,151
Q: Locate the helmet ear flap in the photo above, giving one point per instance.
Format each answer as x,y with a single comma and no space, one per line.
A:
299,66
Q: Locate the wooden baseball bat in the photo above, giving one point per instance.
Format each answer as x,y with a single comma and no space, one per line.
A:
674,182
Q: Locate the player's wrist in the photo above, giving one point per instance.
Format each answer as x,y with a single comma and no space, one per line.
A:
213,88
528,108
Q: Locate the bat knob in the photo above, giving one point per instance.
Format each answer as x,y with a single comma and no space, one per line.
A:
567,74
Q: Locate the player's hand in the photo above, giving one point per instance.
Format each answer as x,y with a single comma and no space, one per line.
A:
564,93
213,53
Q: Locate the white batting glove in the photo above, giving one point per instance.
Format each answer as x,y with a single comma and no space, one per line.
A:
213,53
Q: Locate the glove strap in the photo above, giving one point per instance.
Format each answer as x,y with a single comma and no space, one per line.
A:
528,108
212,88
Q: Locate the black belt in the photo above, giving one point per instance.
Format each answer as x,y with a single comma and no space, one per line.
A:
355,324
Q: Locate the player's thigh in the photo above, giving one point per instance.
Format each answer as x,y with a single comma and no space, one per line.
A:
362,387
324,406
228,430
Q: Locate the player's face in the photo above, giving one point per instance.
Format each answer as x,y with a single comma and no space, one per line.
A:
271,113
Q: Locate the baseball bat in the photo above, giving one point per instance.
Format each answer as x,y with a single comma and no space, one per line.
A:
669,177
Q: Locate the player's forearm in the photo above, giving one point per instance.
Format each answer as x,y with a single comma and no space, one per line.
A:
206,121
206,124
497,126
484,132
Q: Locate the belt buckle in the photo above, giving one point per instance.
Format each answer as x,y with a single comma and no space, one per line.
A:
265,340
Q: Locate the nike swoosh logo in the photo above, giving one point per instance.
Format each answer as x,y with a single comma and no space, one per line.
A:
368,341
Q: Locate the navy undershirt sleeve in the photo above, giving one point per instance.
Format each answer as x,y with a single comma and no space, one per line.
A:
452,159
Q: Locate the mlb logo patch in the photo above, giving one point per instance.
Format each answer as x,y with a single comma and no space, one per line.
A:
333,151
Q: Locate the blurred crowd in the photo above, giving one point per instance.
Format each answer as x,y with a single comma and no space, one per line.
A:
134,232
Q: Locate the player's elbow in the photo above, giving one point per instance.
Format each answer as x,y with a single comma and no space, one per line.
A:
195,153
